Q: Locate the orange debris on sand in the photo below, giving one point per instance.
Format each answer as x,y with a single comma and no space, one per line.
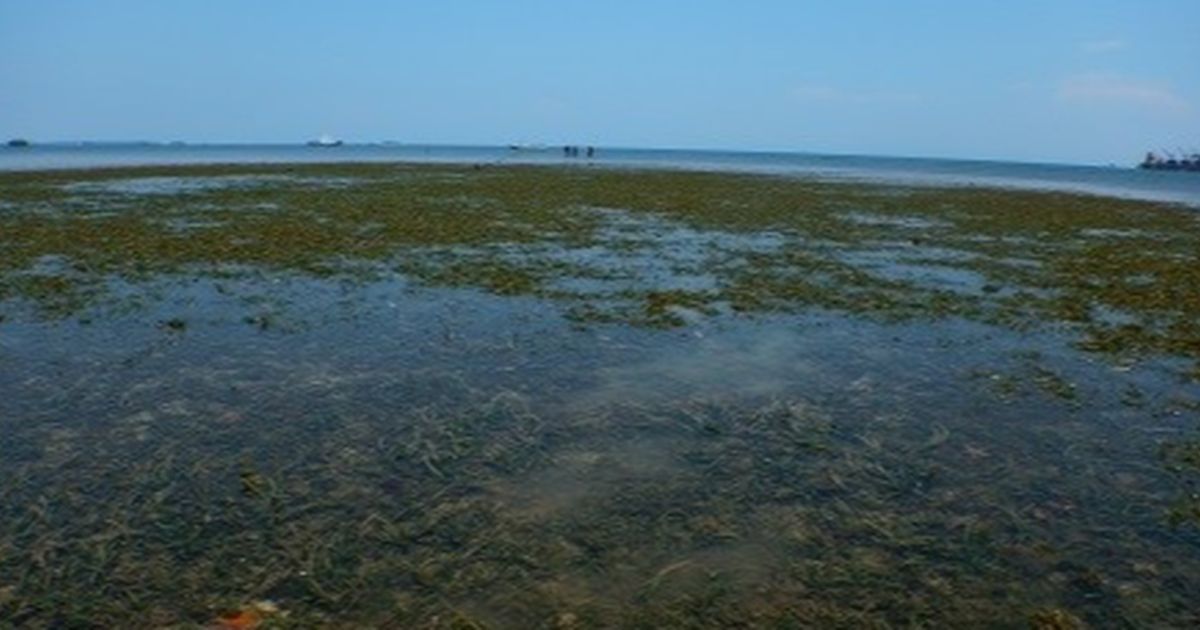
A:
246,619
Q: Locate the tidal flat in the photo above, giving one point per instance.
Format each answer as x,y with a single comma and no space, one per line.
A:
456,396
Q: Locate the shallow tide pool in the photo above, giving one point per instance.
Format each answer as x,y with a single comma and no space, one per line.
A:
566,398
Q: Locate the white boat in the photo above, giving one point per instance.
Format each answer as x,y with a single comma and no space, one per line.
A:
325,140
527,147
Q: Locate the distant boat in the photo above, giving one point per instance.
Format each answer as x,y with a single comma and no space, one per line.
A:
18,142
1155,162
326,141
527,147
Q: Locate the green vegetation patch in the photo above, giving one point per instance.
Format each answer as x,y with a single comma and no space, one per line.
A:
1124,275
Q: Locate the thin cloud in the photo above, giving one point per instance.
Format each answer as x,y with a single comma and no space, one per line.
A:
1099,46
1107,89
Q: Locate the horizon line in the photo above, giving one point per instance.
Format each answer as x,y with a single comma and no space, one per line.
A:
556,145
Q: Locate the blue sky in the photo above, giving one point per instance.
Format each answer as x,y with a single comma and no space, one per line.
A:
1059,80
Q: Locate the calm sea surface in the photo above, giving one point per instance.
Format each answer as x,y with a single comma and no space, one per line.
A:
1108,181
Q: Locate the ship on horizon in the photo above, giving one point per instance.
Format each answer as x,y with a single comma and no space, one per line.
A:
1156,162
326,141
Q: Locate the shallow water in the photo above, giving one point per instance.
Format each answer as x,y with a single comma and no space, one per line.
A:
801,456
383,451
1178,187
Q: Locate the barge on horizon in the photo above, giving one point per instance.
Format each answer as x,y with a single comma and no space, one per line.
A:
1156,162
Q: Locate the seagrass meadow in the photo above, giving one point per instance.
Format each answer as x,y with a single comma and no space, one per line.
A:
478,396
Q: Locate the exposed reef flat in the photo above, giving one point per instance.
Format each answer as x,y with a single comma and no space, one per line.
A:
525,396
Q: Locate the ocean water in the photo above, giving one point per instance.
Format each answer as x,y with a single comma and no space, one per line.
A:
1127,182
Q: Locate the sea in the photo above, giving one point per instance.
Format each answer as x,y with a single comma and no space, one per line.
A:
1109,181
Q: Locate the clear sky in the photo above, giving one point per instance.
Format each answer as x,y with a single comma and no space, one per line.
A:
1060,80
